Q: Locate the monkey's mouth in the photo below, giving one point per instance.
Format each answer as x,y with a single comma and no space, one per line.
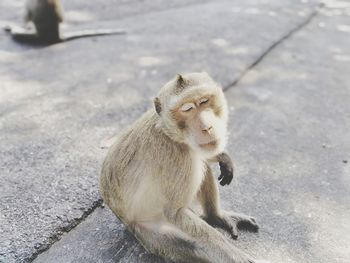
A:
209,145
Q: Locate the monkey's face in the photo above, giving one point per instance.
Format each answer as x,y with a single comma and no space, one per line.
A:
202,123
193,110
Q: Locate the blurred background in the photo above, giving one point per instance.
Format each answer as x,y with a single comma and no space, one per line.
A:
284,65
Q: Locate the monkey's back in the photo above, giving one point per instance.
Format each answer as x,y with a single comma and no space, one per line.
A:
46,16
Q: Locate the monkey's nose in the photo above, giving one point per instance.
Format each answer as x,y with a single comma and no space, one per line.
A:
207,129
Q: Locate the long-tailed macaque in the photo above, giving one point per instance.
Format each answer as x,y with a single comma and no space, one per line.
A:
160,165
46,16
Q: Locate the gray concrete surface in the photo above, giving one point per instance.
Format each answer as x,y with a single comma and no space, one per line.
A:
288,136
288,128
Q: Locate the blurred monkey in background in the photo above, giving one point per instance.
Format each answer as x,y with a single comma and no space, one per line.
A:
46,15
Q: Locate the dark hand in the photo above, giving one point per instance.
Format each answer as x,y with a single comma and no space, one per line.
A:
226,168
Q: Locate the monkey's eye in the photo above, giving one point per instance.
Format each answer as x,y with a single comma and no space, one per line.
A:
203,101
187,107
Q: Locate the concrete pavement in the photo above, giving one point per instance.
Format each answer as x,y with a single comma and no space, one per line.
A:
287,126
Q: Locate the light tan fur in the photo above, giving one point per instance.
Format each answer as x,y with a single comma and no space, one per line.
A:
153,172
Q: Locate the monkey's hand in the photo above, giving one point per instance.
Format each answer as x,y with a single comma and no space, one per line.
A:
226,168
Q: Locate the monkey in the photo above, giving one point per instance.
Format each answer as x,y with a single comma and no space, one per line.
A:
160,165
46,16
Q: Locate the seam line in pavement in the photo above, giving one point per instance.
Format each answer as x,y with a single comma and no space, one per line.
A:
64,229
266,52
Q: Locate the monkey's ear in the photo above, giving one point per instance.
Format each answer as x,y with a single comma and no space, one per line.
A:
180,80
181,83
157,105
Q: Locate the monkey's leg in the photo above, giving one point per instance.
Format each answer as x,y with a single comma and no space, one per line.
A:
216,244
29,38
25,36
209,198
48,33
21,35
166,240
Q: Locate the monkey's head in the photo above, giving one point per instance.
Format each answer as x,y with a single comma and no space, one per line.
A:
193,110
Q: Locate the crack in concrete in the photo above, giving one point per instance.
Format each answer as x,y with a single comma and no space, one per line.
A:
99,203
267,51
64,229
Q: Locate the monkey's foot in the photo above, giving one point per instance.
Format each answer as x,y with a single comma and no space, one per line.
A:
232,222
243,222
224,222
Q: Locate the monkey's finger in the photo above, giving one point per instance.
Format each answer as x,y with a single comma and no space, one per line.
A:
234,232
223,179
222,182
221,176
226,180
224,173
248,225
229,179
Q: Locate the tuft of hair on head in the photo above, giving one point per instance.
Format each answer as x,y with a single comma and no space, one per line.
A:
157,105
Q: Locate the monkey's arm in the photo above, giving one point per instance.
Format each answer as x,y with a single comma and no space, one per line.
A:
226,168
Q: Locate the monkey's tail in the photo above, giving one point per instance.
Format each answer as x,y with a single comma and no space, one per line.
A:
166,240
92,33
